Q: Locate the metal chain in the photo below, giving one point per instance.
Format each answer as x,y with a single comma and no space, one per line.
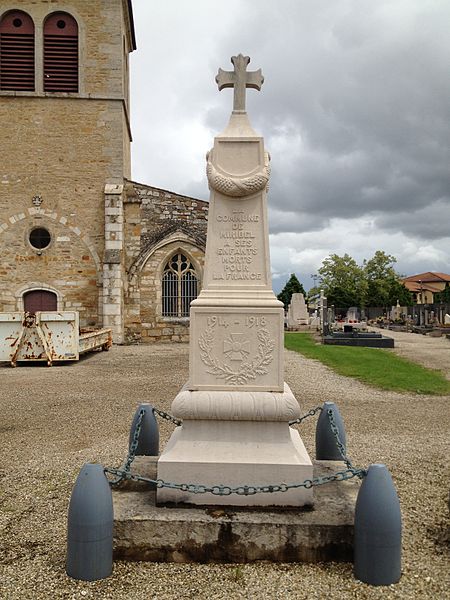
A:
242,490
167,416
339,444
122,473
310,413
225,490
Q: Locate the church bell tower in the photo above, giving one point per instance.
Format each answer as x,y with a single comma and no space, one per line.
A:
64,154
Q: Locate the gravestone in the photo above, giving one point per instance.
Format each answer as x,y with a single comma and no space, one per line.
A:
236,407
354,318
314,320
352,314
447,319
323,313
289,317
297,311
396,312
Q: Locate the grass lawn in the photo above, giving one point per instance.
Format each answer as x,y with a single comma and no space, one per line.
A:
376,367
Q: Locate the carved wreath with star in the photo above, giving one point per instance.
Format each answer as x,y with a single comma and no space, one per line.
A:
248,370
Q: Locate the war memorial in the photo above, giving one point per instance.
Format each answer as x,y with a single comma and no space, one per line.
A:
235,444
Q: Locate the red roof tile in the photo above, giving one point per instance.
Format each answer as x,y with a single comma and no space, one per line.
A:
429,276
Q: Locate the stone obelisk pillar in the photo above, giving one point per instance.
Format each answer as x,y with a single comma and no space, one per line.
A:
236,406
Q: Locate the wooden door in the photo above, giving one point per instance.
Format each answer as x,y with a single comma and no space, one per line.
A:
38,300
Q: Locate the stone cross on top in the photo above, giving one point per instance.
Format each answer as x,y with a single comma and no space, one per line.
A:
239,79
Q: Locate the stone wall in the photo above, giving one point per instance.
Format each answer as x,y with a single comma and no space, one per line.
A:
157,224
70,266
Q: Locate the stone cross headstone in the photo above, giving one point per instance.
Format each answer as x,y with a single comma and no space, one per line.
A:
236,407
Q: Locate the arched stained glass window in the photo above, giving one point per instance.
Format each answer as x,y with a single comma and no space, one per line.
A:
60,53
179,286
17,52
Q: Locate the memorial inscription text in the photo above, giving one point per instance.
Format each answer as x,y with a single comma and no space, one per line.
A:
239,250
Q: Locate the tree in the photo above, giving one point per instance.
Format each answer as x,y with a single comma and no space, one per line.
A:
384,287
375,283
343,281
400,293
293,286
444,296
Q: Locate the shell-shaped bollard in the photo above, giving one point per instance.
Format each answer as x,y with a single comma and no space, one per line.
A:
326,446
148,443
90,526
378,529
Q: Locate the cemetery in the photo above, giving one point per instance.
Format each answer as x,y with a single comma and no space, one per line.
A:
354,333
362,327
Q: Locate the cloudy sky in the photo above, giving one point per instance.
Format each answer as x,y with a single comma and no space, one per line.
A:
355,112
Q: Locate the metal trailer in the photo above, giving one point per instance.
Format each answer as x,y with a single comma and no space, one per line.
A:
47,336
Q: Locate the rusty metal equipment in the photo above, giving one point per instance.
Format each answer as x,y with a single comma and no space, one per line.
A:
47,336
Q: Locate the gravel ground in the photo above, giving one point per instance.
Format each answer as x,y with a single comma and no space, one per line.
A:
54,420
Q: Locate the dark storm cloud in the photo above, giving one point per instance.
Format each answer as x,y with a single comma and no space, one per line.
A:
430,222
364,97
355,107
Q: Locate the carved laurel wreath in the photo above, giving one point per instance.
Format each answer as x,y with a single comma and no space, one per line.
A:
248,370
238,186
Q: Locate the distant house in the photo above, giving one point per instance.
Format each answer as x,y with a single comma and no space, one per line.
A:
424,285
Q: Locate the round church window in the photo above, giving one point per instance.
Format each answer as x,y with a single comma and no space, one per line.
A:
40,238
60,24
17,22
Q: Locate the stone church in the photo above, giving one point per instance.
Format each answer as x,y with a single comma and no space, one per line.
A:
76,233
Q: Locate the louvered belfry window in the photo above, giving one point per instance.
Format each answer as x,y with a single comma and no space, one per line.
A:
60,53
17,52
179,286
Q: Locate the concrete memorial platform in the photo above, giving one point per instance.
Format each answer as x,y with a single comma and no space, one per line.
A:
235,480
144,531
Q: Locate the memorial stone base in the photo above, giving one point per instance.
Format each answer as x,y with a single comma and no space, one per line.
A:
236,454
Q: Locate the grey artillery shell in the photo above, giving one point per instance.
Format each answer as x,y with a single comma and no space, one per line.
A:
90,526
148,444
378,529
326,447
